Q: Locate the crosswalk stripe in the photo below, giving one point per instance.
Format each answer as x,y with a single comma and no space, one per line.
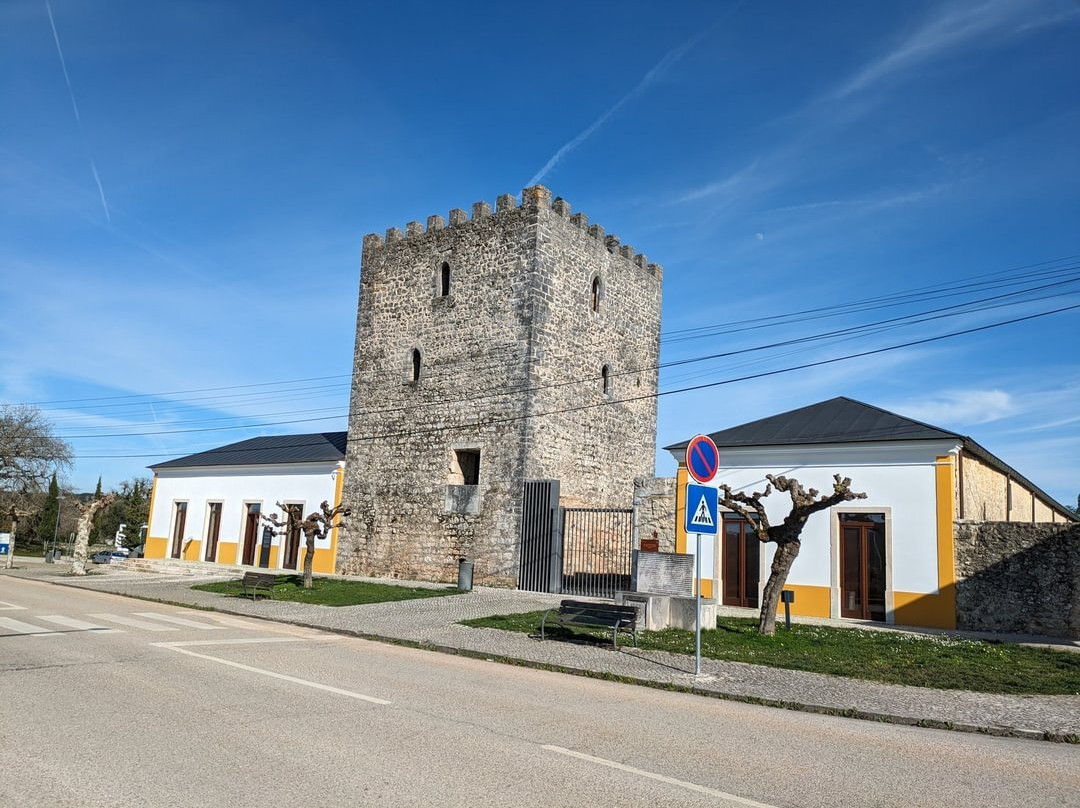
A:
132,623
180,621
78,625
19,627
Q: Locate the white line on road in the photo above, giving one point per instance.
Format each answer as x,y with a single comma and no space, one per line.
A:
19,627
248,641
236,622
78,625
180,621
10,607
659,777
133,623
174,646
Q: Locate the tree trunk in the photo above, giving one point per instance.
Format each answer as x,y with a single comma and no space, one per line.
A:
786,553
82,532
11,545
309,557
82,543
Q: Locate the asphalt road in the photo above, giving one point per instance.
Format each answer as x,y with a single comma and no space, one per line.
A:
109,701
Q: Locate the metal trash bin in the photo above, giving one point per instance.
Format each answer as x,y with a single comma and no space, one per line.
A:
57,554
464,574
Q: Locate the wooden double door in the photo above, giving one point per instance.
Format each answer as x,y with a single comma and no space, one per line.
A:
741,568
862,565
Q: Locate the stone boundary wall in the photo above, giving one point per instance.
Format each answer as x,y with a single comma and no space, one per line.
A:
654,511
1018,578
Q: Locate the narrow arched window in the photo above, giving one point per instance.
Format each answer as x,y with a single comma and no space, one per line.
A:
444,279
415,365
605,378
596,292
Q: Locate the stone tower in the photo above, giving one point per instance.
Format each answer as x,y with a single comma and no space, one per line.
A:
507,346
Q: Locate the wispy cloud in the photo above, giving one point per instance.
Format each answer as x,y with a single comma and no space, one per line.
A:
953,26
75,108
961,407
655,74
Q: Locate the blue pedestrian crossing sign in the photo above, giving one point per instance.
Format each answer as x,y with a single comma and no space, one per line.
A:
701,509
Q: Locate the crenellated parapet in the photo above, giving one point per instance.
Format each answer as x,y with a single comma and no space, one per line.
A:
535,198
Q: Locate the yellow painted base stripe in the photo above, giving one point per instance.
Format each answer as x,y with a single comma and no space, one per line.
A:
810,601
156,547
227,552
928,611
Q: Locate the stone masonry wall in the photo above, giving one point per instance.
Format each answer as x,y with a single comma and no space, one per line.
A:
491,352
1018,577
654,512
595,442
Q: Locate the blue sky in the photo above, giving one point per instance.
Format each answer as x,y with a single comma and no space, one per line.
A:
184,187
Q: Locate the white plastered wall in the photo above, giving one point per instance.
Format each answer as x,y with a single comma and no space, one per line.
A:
235,487
899,480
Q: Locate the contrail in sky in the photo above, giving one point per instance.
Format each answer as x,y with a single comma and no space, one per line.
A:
657,71
75,107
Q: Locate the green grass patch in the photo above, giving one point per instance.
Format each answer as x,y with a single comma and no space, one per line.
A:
930,660
331,591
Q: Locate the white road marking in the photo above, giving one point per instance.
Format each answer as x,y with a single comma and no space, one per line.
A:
180,621
247,641
133,623
180,649
237,622
20,627
659,777
10,607
79,625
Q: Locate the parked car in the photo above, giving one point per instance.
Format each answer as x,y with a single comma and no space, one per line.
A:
108,556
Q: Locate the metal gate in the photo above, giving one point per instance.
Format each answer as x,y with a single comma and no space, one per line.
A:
597,545
573,551
540,565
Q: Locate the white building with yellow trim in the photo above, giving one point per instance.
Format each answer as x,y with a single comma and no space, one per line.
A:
890,557
208,506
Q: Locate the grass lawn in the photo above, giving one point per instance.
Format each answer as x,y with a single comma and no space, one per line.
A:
331,591
882,656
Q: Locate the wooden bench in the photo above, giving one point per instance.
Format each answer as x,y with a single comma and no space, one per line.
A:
255,581
583,613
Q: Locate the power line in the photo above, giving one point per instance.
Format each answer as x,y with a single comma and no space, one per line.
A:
880,326
764,374
700,332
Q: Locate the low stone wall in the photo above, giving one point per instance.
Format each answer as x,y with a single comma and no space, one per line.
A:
1015,577
654,512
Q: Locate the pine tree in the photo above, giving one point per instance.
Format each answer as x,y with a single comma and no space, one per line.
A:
50,510
97,491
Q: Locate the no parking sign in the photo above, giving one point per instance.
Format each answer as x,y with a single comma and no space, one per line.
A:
702,458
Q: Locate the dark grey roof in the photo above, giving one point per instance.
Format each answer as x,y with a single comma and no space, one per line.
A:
320,446
845,420
838,420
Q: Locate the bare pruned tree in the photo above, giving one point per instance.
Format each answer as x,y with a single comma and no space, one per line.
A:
316,526
87,512
787,535
29,453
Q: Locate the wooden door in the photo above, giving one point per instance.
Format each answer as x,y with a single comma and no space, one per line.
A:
862,566
741,563
179,525
251,533
213,530
295,515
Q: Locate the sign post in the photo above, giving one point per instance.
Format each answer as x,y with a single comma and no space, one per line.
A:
702,462
701,520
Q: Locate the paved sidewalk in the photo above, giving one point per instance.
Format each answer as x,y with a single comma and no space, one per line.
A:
433,623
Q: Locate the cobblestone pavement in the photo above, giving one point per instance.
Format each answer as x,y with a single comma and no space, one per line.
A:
434,623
